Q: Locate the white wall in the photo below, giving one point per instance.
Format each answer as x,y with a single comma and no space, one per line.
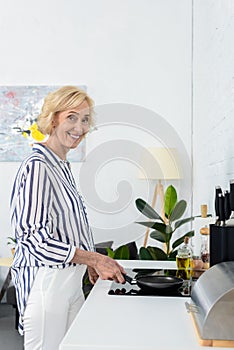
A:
136,52
213,81
131,51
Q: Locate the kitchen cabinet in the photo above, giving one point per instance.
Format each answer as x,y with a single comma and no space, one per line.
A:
132,322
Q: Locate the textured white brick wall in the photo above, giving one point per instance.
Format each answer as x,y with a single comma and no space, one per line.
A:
213,91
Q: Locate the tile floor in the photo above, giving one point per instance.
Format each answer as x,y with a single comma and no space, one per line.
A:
9,337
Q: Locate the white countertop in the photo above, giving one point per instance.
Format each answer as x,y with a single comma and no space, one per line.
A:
132,322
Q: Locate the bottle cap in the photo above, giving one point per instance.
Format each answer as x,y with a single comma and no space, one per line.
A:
204,210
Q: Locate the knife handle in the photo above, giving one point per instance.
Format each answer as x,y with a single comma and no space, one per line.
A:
221,207
232,194
227,207
218,190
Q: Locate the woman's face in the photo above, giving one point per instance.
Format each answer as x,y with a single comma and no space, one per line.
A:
71,126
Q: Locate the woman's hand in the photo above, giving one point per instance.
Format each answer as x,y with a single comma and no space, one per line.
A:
109,269
99,266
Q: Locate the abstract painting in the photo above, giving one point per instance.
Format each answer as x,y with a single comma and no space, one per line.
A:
19,109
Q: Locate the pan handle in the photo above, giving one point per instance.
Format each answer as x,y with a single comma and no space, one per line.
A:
128,279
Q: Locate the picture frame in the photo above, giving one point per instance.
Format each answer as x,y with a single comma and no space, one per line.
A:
19,109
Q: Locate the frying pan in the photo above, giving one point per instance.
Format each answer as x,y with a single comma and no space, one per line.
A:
156,283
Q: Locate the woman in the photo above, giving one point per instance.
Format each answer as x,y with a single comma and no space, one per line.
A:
54,240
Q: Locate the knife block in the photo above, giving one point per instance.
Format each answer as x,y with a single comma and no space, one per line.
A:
221,244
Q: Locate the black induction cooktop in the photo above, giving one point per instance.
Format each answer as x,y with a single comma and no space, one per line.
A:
127,289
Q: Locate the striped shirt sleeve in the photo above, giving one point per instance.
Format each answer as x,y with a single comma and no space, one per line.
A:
32,207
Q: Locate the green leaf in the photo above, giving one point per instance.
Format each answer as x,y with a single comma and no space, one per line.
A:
168,236
159,236
183,221
110,252
172,255
156,225
122,253
169,229
146,223
170,200
11,240
178,210
147,210
157,253
86,280
144,254
181,239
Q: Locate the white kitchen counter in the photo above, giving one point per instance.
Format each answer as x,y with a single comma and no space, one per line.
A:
132,322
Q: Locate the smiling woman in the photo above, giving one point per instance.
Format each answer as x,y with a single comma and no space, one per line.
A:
69,129
54,241
63,99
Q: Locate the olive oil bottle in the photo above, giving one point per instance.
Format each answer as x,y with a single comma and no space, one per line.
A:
183,260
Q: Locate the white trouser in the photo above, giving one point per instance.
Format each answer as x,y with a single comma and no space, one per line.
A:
54,300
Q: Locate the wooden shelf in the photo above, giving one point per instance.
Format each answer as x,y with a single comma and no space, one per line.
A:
6,262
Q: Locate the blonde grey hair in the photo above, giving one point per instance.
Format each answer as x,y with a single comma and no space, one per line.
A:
66,97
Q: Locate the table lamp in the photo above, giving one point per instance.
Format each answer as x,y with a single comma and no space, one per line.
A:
160,164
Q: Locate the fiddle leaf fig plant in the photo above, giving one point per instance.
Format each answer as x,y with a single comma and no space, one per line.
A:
11,241
163,229
120,253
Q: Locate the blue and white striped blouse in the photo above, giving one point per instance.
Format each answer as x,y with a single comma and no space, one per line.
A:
48,218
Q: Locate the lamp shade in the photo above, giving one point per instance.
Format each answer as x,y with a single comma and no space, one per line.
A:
160,163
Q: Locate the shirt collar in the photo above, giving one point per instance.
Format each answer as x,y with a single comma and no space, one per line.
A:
53,158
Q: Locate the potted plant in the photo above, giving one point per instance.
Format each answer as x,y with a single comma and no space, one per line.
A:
12,242
163,230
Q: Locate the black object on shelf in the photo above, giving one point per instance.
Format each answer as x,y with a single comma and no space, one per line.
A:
232,195
221,244
218,191
221,208
227,207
